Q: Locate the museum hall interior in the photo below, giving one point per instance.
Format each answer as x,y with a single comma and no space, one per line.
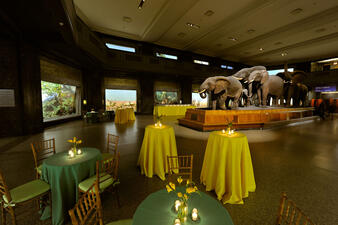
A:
169,112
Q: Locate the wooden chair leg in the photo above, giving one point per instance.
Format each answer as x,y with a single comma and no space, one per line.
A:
11,211
117,197
3,216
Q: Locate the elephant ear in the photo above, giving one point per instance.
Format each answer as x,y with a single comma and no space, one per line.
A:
265,76
298,76
221,84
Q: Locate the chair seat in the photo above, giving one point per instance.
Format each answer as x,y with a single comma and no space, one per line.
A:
121,222
27,191
39,169
86,184
106,156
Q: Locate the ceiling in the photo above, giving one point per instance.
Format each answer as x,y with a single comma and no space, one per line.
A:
267,32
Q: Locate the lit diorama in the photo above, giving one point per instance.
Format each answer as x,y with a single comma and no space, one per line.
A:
285,92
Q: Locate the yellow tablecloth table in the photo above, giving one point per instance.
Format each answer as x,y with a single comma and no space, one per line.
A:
124,115
227,167
171,110
158,143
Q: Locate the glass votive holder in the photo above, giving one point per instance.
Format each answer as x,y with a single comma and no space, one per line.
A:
194,214
71,154
79,152
177,222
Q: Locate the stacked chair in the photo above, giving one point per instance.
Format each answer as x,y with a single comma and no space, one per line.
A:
290,214
88,209
181,164
42,150
112,144
106,176
10,199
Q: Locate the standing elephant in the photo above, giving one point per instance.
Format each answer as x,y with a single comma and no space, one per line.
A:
245,72
221,88
265,84
294,88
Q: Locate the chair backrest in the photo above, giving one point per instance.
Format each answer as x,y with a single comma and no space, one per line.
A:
109,166
290,214
4,189
88,209
112,143
42,150
183,165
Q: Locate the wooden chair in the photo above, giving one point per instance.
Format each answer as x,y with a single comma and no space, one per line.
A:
42,150
36,190
112,143
290,214
106,176
88,210
183,165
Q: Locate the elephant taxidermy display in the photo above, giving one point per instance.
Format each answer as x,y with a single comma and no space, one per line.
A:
294,88
266,85
221,88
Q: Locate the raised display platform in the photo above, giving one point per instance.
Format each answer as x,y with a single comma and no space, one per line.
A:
250,117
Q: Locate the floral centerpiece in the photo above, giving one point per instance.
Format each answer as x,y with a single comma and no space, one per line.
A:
75,142
181,205
158,119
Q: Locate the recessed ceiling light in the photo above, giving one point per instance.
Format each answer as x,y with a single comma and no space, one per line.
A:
250,31
209,13
284,54
61,24
296,11
232,38
193,25
278,43
181,34
141,4
127,19
261,49
320,30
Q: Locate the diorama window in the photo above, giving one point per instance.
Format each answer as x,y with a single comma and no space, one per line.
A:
201,62
198,101
167,56
120,47
116,98
274,72
166,97
59,100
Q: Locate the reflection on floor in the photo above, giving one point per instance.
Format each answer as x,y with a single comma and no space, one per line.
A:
301,160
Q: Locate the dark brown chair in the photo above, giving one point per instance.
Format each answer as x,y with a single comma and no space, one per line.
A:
290,214
106,176
36,190
181,166
42,150
112,144
88,210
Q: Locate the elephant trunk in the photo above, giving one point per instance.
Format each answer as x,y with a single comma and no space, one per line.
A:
250,90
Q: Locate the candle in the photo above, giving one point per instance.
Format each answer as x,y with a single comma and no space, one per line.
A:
177,204
194,214
223,131
232,131
71,153
155,124
79,152
177,222
160,124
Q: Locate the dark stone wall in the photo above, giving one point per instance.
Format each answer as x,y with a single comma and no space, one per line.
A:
186,90
30,80
92,90
147,94
11,117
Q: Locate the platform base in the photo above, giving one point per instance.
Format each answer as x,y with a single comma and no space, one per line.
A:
207,120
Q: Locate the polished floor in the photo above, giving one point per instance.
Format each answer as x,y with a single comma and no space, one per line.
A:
301,160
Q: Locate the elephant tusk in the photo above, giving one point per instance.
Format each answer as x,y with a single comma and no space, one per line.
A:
238,78
202,91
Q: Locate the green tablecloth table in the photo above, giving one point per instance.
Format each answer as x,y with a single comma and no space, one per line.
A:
156,209
64,174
